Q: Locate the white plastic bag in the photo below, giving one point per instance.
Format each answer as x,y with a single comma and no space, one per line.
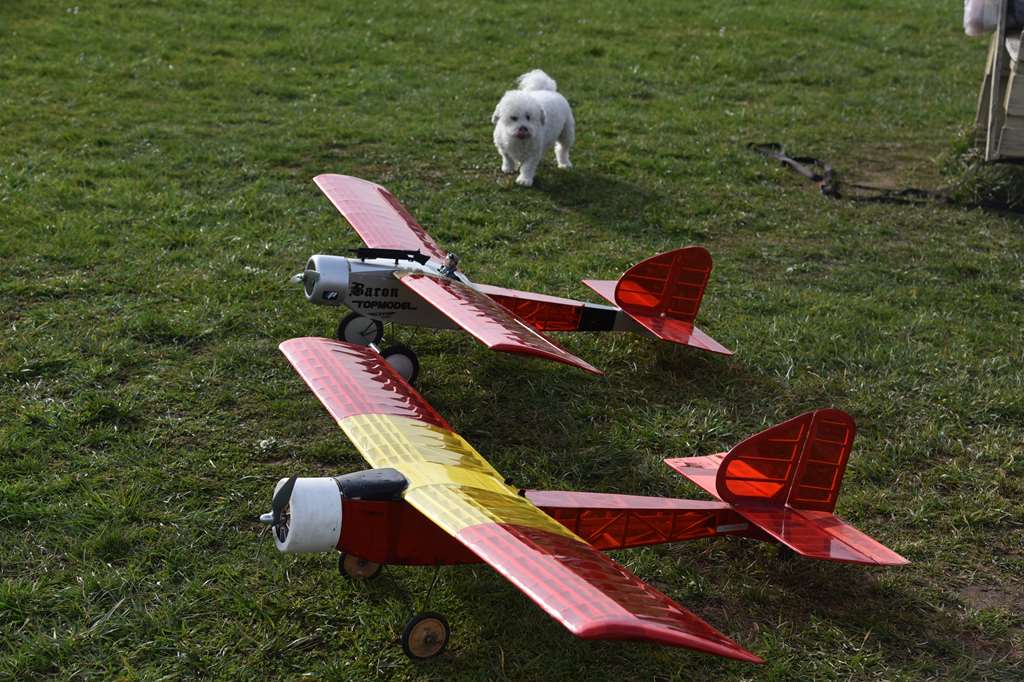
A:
980,16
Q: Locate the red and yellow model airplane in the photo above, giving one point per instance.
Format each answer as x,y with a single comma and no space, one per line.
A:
431,499
403,276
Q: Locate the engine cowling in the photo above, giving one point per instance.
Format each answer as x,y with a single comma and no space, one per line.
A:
313,516
325,279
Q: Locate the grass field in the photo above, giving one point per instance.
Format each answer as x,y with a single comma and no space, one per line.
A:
155,195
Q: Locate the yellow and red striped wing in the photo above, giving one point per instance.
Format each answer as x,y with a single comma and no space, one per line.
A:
454,486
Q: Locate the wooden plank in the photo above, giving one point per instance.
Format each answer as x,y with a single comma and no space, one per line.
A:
1011,141
995,102
981,117
1014,103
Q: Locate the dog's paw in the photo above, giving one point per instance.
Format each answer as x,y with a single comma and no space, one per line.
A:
567,164
508,168
524,181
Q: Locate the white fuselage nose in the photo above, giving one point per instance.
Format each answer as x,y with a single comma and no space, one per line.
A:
371,288
313,516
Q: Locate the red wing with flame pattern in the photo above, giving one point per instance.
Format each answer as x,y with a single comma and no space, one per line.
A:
352,380
591,595
489,322
376,215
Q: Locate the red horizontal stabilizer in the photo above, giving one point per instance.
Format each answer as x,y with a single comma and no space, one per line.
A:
588,593
786,481
489,322
819,535
663,295
700,470
376,215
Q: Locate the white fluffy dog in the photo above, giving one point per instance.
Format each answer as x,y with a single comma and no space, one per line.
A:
528,122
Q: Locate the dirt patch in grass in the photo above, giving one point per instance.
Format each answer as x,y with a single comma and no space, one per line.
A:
994,597
892,166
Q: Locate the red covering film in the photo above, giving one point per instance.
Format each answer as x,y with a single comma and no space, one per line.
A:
351,380
543,313
799,462
819,535
608,521
663,295
669,285
490,323
591,595
376,215
786,481
393,532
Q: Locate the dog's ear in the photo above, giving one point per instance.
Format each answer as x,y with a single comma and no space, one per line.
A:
496,115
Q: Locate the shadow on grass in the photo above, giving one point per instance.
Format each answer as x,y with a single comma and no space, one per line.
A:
608,201
853,600
559,426
760,602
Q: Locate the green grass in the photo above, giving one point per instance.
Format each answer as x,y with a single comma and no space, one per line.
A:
155,195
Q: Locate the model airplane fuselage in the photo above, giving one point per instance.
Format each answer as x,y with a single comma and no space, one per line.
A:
431,499
403,276
372,287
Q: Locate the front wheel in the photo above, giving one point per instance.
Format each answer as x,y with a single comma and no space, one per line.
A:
425,636
350,566
403,360
360,330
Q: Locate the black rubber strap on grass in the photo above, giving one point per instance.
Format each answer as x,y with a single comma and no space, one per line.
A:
827,180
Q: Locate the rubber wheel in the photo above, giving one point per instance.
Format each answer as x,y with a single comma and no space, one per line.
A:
359,329
403,360
350,566
425,636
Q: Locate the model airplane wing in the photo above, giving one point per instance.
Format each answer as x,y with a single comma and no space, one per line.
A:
488,321
376,215
451,484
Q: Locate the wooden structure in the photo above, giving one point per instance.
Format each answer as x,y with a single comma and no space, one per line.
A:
1000,120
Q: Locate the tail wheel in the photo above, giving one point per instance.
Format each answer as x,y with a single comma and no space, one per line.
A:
425,636
359,329
403,360
350,566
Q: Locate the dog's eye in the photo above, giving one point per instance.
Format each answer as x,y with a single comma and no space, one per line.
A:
527,117
515,118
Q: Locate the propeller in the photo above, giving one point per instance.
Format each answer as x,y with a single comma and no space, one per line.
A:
280,502
307,278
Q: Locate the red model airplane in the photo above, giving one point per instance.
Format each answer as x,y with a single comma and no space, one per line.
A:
431,499
403,276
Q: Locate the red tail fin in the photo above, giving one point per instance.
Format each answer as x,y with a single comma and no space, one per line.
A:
786,479
663,294
670,285
799,463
